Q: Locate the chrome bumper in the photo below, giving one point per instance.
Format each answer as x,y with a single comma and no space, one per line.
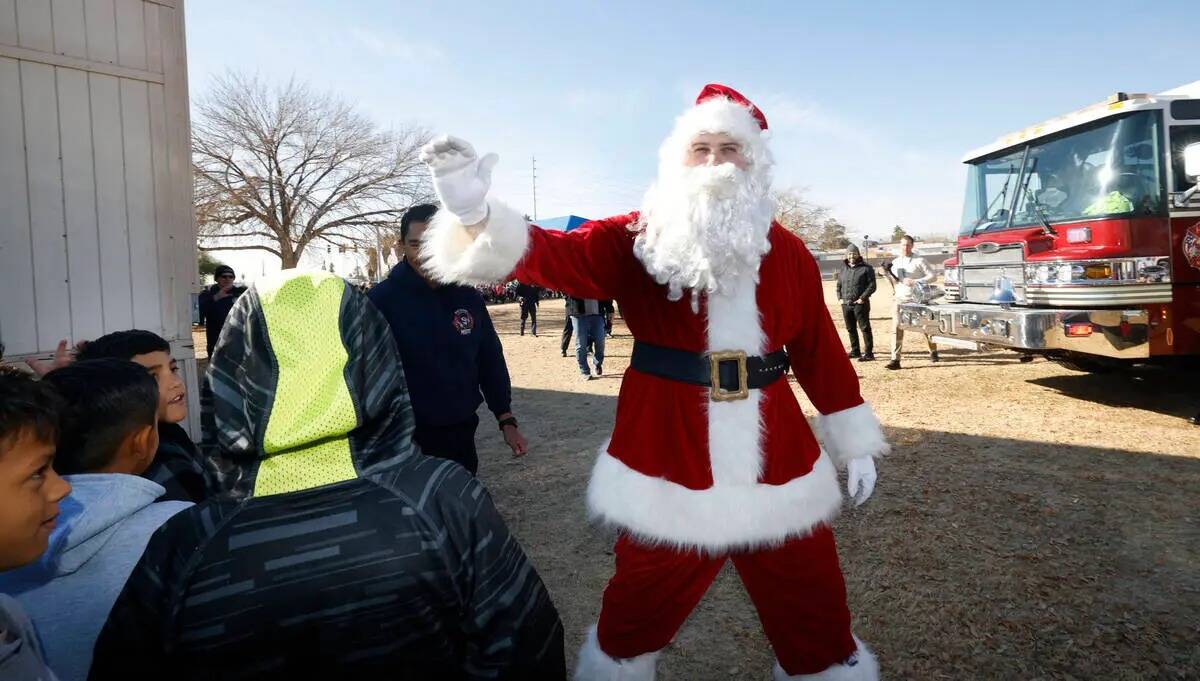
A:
1122,334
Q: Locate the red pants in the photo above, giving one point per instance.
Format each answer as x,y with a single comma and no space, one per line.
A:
797,589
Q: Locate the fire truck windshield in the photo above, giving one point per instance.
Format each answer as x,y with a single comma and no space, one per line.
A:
1110,168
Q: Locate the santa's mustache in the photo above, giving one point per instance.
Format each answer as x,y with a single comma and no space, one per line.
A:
717,182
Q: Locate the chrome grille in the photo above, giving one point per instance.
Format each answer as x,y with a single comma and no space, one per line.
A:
986,276
978,271
1010,254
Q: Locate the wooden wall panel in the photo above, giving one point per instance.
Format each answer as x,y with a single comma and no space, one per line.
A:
8,22
154,47
34,25
131,34
116,294
17,329
79,202
101,18
47,223
139,198
70,34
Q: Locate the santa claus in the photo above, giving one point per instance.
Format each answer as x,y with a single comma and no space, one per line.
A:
711,458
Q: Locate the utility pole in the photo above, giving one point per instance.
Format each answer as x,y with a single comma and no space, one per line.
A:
534,187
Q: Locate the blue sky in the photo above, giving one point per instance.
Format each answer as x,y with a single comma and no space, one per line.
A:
871,105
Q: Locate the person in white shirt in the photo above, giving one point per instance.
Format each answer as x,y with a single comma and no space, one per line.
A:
907,270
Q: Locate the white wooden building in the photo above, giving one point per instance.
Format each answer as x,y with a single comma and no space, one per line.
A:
96,225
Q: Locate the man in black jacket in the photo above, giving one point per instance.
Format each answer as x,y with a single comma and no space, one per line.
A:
528,295
215,304
855,284
340,552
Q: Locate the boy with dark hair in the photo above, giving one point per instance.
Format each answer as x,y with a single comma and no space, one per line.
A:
29,494
178,466
109,437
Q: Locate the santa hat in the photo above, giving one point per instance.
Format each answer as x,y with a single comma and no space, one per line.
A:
720,108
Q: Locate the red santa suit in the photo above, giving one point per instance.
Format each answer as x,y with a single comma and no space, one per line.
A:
688,481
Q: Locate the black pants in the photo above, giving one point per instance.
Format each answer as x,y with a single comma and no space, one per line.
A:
455,442
859,316
529,311
568,330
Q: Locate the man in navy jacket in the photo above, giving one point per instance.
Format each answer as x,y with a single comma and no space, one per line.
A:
450,351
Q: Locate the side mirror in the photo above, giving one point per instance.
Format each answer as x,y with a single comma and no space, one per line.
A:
1191,160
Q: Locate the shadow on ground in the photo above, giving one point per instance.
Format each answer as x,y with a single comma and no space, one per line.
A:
978,557
1170,391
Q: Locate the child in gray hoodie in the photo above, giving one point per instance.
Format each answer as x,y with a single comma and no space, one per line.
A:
109,437
29,494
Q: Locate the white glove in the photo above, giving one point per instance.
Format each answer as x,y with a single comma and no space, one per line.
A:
461,178
860,479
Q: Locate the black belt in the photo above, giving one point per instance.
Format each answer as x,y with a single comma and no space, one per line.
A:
730,375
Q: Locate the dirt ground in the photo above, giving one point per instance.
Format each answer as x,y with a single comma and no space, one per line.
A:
1030,523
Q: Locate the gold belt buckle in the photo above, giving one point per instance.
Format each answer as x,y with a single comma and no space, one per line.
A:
714,366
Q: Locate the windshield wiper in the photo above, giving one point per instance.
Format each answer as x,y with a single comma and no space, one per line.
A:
986,219
1037,207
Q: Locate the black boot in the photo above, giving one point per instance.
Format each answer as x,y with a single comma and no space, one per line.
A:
867,357
933,357
893,365
854,354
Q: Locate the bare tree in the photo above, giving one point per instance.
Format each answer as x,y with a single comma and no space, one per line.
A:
800,216
279,169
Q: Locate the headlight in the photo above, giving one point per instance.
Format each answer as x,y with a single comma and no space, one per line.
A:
950,276
1115,271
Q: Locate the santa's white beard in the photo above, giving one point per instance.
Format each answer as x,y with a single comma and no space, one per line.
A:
702,228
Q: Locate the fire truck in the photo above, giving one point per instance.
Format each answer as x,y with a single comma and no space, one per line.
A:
1080,239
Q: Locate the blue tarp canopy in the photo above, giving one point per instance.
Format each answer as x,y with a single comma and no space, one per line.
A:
565,223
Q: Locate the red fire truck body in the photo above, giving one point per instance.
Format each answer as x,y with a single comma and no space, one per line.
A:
1080,238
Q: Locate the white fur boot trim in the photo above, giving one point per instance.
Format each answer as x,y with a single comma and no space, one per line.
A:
595,665
862,667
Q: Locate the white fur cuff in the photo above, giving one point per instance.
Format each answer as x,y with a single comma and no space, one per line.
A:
452,255
719,519
595,665
864,668
852,433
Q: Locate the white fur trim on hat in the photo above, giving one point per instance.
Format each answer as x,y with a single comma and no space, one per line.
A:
718,519
594,665
452,255
718,115
864,667
852,433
